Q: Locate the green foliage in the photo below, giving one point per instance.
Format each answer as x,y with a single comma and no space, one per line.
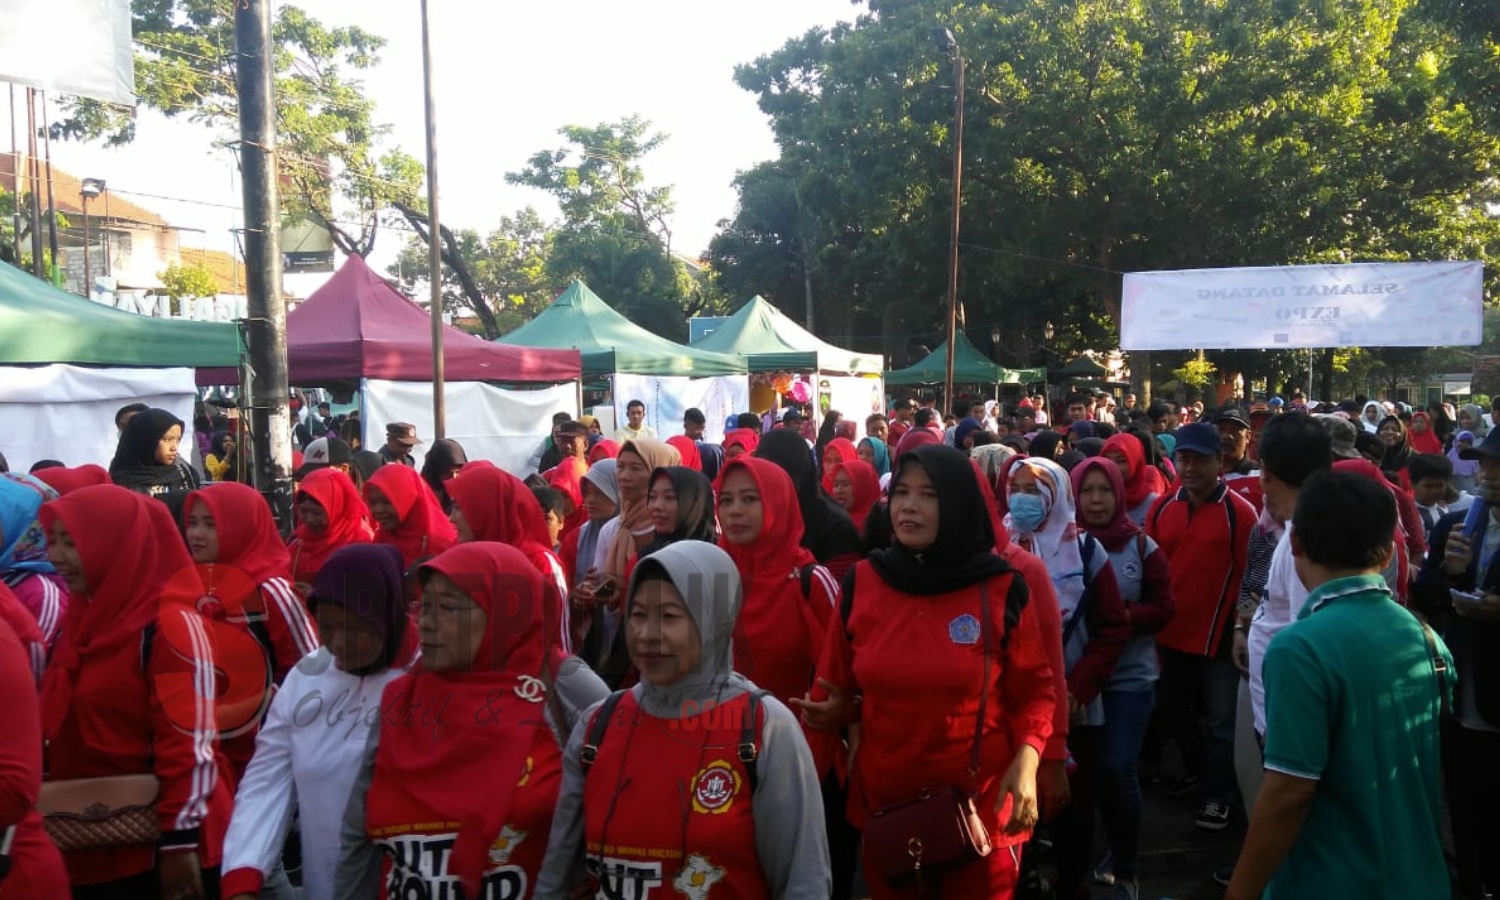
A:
1104,137
190,280
1197,373
509,267
614,234
329,141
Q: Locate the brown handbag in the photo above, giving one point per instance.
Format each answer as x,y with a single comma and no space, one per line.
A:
942,827
117,811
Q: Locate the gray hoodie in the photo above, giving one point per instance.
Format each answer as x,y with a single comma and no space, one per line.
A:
787,805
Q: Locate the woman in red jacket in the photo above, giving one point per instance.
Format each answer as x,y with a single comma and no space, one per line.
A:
856,488
330,515
490,504
130,690
468,762
407,514
245,569
35,867
910,664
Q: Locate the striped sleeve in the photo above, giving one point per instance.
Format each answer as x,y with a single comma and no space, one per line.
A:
184,727
291,627
50,615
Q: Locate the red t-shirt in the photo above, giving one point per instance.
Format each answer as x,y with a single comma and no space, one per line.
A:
667,806
917,663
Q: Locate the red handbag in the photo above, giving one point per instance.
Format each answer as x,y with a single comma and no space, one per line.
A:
941,828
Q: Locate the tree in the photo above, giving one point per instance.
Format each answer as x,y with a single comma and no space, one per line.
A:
330,154
1106,137
190,280
508,269
615,233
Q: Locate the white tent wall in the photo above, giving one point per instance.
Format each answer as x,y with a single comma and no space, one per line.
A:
67,412
500,425
719,396
853,397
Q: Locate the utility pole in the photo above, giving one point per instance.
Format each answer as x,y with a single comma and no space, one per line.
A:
34,184
948,44
52,270
265,325
435,231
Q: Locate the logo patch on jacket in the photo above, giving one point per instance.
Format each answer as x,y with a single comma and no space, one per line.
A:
697,877
714,788
964,630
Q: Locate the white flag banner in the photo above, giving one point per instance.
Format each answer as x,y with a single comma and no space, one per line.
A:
80,47
1429,304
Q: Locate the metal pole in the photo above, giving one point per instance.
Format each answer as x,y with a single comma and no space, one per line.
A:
434,230
15,164
265,328
88,290
51,205
34,183
958,171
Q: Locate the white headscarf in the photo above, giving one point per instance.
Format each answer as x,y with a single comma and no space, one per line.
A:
1056,542
1364,417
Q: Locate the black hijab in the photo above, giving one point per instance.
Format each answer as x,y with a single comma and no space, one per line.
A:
964,552
366,580
828,531
135,466
445,456
1393,463
1045,444
695,508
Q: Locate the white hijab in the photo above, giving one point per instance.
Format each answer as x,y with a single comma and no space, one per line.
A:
1056,542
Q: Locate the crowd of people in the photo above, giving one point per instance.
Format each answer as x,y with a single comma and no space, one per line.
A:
933,658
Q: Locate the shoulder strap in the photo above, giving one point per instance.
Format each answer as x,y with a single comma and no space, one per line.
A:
1087,553
985,630
1439,668
805,575
1156,511
148,639
1140,548
597,730
749,747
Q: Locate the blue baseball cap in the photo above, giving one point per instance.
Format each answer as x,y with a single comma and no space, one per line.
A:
1199,437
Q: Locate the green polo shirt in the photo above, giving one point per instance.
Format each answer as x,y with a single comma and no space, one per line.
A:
1352,703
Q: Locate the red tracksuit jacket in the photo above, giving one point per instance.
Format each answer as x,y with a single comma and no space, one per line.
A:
1208,548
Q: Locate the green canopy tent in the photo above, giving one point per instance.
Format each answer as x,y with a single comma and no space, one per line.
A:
612,344
68,363
969,367
40,324
772,342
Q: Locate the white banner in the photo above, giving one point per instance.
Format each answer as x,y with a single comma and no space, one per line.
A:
1429,304
502,426
851,396
67,413
78,47
719,396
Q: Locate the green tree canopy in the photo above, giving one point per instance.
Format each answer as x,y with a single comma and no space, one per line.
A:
615,233
1104,137
330,144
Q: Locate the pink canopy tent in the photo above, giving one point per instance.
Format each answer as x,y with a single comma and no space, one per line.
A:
358,326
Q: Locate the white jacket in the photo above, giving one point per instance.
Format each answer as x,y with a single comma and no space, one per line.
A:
310,749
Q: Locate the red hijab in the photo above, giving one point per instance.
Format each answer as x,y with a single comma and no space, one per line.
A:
1143,480
66,481
603,449
866,489
687,448
135,562
424,530
766,562
567,479
1425,441
916,437
470,774
499,507
1120,529
843,448
747,438
248,539
348,521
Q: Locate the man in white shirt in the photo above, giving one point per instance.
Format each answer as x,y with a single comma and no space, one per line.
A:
635,423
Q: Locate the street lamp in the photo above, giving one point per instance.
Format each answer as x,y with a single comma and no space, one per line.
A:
1047,331
948,44
89,188
995,339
